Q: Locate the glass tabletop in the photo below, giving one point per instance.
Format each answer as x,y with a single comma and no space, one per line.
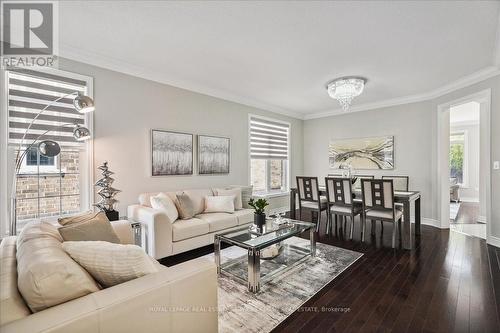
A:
273,233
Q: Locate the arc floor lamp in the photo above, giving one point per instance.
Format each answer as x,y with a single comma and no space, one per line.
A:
48,148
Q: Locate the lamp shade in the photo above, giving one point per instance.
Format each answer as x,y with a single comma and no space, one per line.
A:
83,104
81,133
49,148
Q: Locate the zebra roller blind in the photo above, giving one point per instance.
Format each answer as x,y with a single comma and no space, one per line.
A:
268,139
29,92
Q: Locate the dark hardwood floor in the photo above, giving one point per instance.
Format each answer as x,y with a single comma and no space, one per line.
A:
449,283
468,213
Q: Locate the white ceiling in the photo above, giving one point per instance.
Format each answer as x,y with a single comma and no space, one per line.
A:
279,55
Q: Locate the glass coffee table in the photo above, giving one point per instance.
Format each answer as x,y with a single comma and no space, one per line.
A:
271,243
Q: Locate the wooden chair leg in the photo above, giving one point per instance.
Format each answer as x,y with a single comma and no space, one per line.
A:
327,223
336,228
363,227
394,230
352,227
382,226
318,220
373,227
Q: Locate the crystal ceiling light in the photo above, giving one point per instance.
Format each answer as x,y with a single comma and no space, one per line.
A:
344,89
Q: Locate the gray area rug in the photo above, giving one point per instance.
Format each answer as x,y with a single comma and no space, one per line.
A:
282,293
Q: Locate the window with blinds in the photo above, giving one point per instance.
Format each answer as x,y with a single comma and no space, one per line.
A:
48,186
269,146
268,139
29,92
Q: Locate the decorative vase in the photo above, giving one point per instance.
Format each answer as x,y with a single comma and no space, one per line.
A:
112,215
259,220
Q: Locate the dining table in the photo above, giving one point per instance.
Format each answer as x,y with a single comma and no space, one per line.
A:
410,232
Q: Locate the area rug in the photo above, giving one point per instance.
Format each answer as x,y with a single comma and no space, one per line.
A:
243,311
454,208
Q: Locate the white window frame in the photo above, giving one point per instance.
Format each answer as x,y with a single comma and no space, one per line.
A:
6,176
465,183
286,187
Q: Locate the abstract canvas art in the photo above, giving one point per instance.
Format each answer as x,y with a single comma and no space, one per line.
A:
363,153
172,153
213,155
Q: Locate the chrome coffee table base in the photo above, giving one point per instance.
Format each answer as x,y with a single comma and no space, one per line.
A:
257,245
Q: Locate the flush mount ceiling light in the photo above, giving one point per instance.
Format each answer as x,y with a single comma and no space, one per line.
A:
344,89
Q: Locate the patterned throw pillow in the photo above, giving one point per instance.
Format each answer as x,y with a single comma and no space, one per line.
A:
185,206
111,264
236,192
165,204
219,204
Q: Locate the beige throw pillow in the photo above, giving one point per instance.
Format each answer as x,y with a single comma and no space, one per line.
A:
219,204
96,229
46,274
81,217
111,264
236,192
246,193
165,204
184,206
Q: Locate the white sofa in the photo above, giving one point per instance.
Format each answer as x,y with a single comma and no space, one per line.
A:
167,301
165,238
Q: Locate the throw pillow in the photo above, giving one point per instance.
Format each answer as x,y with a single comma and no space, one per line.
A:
219,204
246,194
95,229
165,204
184,206
111,264
236,192
81,217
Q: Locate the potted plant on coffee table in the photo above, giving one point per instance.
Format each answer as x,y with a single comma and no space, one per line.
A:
259,217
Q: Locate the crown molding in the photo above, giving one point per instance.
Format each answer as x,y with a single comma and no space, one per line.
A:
463,82
95,59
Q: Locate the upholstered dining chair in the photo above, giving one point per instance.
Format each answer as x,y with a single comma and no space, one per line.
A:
378,204
341,203
357,183
401,183
310,198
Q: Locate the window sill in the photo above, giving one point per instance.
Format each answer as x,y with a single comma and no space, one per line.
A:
271,194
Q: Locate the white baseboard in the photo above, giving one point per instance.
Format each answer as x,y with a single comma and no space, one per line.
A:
495,241
482,219
432,222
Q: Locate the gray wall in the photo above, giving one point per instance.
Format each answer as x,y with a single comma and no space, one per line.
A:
415,129
127,108
411,126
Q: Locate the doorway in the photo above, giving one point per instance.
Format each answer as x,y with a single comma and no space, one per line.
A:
464,165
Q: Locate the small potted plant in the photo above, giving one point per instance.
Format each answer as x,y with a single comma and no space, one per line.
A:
259,217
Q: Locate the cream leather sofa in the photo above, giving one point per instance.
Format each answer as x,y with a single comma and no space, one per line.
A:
182,298
165,238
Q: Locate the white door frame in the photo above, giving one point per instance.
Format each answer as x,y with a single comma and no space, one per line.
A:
443,150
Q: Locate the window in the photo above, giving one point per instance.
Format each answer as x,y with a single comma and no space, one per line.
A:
269,146
457,157
48,186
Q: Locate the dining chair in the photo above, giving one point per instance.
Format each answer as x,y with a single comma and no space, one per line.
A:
379,205
341,203
401,183
310,198
357,183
